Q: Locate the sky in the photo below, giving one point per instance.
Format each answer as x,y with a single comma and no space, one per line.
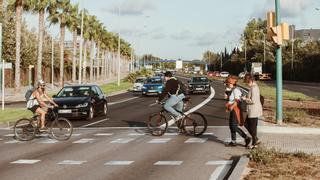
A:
185,29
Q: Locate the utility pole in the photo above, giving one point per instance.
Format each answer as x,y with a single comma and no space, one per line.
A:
279,117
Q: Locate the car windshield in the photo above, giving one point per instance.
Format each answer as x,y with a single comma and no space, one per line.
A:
154,81
74,92
199,79
139,80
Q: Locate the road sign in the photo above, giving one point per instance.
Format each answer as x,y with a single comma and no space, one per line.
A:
6,65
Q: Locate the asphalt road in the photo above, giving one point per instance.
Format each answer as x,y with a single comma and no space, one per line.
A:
119,147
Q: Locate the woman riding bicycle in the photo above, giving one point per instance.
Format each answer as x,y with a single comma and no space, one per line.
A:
37,103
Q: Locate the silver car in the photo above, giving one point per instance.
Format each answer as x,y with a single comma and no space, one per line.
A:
137,86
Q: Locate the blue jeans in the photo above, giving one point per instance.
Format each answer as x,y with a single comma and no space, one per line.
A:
174,103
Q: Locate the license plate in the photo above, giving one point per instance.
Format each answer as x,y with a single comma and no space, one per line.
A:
199,88
152,91
64,111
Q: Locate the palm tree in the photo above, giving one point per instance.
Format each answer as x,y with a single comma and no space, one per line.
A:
74,26
39,7
59,12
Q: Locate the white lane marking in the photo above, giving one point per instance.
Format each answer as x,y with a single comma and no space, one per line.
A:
122,101
220,172
170,163
118,163
159,140
14,142
228,162
103,134
25,161
140,128
137,134
83,141
9,135
71,162
171,134
122,140
196,140
75,135
95,122
48,141
172,121
208,133
1,139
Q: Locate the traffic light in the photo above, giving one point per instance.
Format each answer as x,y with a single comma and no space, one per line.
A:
276,35
271,22
285,31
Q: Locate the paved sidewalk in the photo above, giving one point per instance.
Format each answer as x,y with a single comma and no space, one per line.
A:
290,139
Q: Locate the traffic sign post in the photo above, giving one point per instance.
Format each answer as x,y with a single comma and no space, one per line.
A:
278,68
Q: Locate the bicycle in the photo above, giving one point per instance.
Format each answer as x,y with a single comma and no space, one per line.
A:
194,124
60,128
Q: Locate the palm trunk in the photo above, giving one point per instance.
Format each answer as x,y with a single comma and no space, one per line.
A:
98,62
40,43
18,46
74,58
62,34
85,62
91,61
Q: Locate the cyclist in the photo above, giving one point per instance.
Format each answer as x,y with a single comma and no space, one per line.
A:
176,96
36,103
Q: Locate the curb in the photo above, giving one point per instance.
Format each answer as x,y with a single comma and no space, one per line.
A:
239,169
288,130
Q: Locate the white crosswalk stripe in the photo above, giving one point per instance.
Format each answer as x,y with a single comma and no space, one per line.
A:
196,140
118,163
83,141
103,134
71,162
159,141
227,162
137,134
25,161
122,140
14,142
48,141
168,163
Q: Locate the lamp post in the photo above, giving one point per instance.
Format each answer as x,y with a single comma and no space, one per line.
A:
119,52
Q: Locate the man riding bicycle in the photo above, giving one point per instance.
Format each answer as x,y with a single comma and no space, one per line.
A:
36,103
174,90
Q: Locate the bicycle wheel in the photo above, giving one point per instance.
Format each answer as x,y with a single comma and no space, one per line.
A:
24,130
195,124
61,129
157,124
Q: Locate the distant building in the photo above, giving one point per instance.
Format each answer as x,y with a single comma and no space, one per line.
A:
305,35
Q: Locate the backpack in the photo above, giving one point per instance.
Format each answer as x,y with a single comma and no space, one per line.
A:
183,88
29,93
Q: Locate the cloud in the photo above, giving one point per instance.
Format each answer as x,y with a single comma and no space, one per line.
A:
131,7
159,36
205,39
183,35
289,8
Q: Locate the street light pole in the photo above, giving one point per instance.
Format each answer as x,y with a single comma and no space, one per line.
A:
119,51
278,69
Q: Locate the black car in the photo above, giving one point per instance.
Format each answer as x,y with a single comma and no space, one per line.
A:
81,101
199,84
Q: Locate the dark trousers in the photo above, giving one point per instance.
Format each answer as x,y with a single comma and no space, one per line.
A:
234,129
251,126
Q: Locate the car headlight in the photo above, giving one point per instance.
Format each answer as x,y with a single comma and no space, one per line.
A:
143,87
190,85
160,87
82,105
207,85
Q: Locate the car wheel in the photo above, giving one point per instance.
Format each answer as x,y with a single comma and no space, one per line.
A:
105,109
90,113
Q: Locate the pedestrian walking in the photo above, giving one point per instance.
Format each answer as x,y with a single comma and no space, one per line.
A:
254,108
235,117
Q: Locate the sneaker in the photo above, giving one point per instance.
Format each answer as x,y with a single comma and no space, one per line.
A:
44,129
231,144
257,142
247,140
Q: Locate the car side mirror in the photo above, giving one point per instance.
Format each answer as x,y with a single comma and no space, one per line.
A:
54,96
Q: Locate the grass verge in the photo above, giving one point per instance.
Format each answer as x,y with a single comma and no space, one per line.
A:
113,87
273,164
13,114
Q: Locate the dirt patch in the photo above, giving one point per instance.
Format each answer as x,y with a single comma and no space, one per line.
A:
295,113
271,164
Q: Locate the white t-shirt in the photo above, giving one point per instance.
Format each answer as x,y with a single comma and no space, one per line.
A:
235,94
